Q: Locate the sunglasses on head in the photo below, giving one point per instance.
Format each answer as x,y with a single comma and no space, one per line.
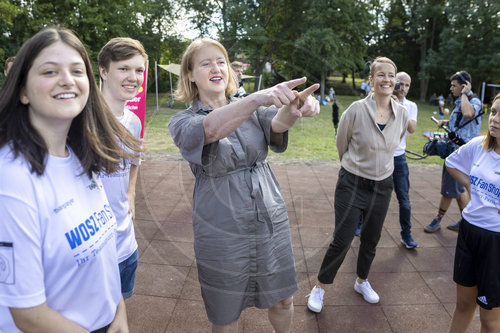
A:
461,77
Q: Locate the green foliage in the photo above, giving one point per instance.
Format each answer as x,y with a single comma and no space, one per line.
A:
332,38
470,41
94,21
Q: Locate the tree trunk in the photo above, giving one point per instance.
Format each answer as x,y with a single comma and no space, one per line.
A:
424,82
322,87
353,80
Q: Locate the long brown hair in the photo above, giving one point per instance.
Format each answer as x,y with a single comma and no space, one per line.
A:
93,133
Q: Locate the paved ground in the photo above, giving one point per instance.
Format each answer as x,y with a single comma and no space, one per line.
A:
416,290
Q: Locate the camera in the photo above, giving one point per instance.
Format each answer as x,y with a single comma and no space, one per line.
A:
397,87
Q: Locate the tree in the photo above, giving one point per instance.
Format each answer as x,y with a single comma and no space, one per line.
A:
332,38
8,13
470,41
94,21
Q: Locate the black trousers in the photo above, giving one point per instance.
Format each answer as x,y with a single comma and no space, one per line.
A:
101,330
354,197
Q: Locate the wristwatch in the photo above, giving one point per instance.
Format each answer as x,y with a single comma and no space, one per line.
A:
469,94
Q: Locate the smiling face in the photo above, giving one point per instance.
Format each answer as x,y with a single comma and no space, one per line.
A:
123,78
209,73
383,79
57,87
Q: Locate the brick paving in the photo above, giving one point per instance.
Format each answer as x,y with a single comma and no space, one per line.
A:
417,293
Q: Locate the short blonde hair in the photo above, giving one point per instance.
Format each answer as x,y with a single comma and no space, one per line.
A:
186,90
381,60
489,142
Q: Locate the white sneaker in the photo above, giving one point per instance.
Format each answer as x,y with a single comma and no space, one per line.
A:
366,290
315,301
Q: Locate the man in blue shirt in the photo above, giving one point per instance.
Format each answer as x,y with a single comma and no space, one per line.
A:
467,106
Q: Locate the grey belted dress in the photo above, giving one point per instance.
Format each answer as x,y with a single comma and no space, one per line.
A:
241,229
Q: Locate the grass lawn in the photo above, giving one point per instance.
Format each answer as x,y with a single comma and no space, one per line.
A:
311,139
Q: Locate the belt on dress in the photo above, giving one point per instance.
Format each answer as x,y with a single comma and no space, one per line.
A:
253,181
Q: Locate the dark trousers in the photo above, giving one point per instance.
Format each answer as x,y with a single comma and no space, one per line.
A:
356,196
400,176
101,330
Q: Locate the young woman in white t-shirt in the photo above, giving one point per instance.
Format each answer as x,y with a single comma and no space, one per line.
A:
58,263
476,165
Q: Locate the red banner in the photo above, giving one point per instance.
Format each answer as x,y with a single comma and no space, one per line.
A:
138,104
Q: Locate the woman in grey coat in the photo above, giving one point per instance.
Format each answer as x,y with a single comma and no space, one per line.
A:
241,229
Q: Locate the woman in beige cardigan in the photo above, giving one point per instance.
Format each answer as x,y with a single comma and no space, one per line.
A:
369,133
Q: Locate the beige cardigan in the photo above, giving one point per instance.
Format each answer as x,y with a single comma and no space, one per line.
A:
364,149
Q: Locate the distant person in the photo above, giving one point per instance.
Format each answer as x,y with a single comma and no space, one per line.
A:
122,62
237,67
441,109
401,172
242,239
449,100
467,106
367,89
440,98
476,165
433,99
58,262
8,65
369,132
335,116
331,93
363,88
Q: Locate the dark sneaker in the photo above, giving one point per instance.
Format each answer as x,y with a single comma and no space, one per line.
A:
454,227
433,226
409,242
358,229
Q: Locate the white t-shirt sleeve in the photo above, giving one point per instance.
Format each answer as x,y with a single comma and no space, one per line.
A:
483,168
133,124
412,111
462,158
21,265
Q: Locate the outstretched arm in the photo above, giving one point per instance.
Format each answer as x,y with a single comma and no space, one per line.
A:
222,121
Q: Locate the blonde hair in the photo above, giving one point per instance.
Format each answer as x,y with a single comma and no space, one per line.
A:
489,141
381,60
186,90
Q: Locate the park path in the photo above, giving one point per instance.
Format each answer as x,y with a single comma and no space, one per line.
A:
417,293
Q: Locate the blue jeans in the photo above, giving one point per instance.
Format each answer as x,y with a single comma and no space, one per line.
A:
401,180
127,274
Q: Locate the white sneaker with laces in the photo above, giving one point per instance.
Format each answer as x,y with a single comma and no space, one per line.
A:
315,301
366,290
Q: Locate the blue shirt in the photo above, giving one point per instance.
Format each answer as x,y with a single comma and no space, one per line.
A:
471,130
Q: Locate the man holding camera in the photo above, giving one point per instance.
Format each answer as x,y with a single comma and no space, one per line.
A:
463,126
401,173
